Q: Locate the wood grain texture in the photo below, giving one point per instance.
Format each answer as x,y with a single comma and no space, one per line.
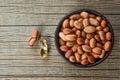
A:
18,61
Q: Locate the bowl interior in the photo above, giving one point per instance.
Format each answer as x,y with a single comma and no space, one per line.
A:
91,12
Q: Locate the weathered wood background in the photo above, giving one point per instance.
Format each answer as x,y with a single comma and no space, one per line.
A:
18,61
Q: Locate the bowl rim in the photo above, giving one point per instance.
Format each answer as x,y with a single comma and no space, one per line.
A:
77,12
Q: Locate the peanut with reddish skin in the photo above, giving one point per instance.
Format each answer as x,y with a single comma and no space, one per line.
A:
91,59
32,42
77,56
70,37
75,16
68,54
79,50
70,43
64,48
35,33
93,22
84,14
92,43
78,24
85,22
67,31
98,18
107,46
97,50
97,38
65,23
74,48
89,36
103,23
86,48
89,29
84,62
102,35
71,23
96,56
108,36
34,36
80,41
84,56
106,29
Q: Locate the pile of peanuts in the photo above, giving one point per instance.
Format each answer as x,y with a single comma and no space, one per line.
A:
84,38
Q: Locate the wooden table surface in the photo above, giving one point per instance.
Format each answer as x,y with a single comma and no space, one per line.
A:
18,61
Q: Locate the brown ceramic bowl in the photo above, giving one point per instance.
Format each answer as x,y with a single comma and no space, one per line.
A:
79,11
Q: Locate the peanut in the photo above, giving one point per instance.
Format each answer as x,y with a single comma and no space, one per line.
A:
107,46
89,29
85,22
92,43
78,24
70,43
79,50
64,48
65,23
74,48
91,59
108,36
72,23
97,50
75,16
84,62
31,41
93,22
77,56
106,29
34,36
62,36
80,41
70,37
103,23
89,36
86,48
97,38
67,31
102,35
35,33
68,54
84,14
98,18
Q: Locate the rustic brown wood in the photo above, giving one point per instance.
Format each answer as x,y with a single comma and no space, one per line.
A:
18,61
